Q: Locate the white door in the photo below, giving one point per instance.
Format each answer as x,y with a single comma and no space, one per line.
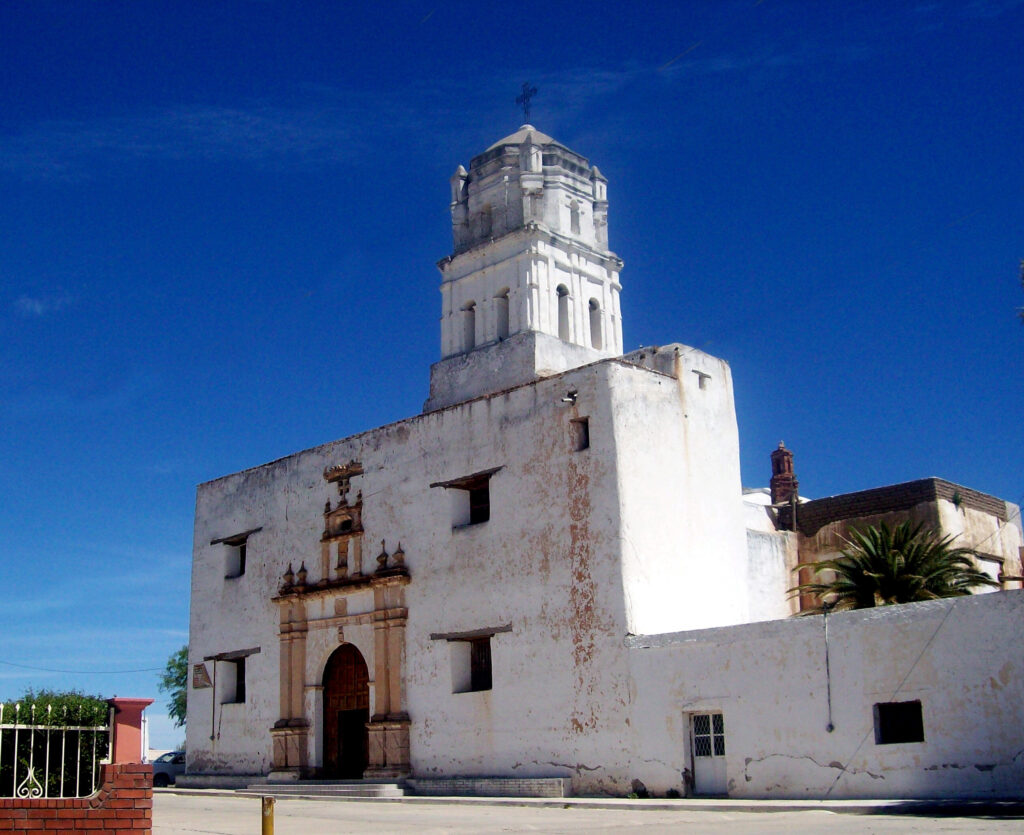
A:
707,742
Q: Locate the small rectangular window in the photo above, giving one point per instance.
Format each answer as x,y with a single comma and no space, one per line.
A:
897,722
240,680
480,664
479,504
471,664
580,428
470,497
228,675
708,735
236,549
234,559
232,674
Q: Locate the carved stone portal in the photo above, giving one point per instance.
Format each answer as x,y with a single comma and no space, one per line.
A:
341,576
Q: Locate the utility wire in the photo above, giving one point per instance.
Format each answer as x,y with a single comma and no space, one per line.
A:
83,672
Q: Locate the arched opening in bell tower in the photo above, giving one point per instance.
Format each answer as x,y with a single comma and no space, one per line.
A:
563,312
501,314
469,326
596,340
346,700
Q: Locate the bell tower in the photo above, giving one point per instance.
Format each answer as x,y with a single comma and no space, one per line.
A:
531,288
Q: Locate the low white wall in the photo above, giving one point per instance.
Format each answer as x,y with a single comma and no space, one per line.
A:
961,658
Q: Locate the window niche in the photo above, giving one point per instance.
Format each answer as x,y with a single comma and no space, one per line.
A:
897,722
579,433
471,665
470,657
470,498
234,682
236,549
229,675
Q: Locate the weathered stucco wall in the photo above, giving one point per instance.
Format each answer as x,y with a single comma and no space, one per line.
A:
683,540
955,656
549,564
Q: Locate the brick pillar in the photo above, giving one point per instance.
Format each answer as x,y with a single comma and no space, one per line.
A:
127,730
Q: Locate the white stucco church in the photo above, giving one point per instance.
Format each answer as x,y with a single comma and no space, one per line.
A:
552,580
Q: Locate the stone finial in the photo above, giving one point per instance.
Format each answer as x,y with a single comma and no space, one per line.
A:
382,557
302,573
289,576
399,556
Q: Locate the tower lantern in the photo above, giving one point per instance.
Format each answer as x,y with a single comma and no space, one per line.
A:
531,288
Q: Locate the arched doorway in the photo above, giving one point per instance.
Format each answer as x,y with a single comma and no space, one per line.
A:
346,712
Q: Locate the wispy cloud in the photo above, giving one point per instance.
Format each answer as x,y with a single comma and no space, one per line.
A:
66,149
35,306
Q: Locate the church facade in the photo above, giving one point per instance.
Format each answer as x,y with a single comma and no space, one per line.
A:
553,572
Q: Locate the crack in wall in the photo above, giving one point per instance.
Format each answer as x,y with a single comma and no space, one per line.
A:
578,767
834,764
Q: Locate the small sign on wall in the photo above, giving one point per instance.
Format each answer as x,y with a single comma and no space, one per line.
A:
200,678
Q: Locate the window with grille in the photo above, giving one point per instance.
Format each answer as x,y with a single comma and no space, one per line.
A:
708,735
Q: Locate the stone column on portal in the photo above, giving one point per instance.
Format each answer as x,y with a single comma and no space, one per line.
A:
396,664
382,681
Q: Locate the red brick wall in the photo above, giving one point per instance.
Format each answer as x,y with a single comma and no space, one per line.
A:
122,806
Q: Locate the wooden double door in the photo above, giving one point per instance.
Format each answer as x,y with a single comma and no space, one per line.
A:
346,712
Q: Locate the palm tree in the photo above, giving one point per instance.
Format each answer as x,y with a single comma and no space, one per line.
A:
882,565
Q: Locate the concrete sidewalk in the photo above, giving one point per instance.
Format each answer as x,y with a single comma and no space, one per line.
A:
206,812
1009,808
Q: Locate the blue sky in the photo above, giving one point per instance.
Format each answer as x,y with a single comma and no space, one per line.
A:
219,223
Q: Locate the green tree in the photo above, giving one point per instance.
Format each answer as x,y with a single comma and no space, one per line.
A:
65,708
882,565
74,719
174,682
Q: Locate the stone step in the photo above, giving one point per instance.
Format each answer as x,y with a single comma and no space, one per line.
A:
490,786
326,788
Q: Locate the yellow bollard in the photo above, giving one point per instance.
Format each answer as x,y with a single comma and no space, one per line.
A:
268,816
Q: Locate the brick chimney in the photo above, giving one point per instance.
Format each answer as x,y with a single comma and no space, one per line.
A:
783,484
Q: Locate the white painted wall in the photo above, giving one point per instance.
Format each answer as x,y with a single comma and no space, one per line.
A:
549,563
956,656
684,544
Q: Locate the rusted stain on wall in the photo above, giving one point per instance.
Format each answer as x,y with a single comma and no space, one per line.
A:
582,600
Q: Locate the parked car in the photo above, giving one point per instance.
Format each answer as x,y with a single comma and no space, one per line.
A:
167,767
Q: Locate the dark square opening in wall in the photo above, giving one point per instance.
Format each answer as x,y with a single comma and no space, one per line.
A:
580,428
480,664
897,722
479,502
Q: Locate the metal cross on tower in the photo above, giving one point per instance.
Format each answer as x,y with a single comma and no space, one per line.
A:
529,91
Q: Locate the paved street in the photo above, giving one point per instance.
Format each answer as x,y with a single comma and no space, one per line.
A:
223,815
